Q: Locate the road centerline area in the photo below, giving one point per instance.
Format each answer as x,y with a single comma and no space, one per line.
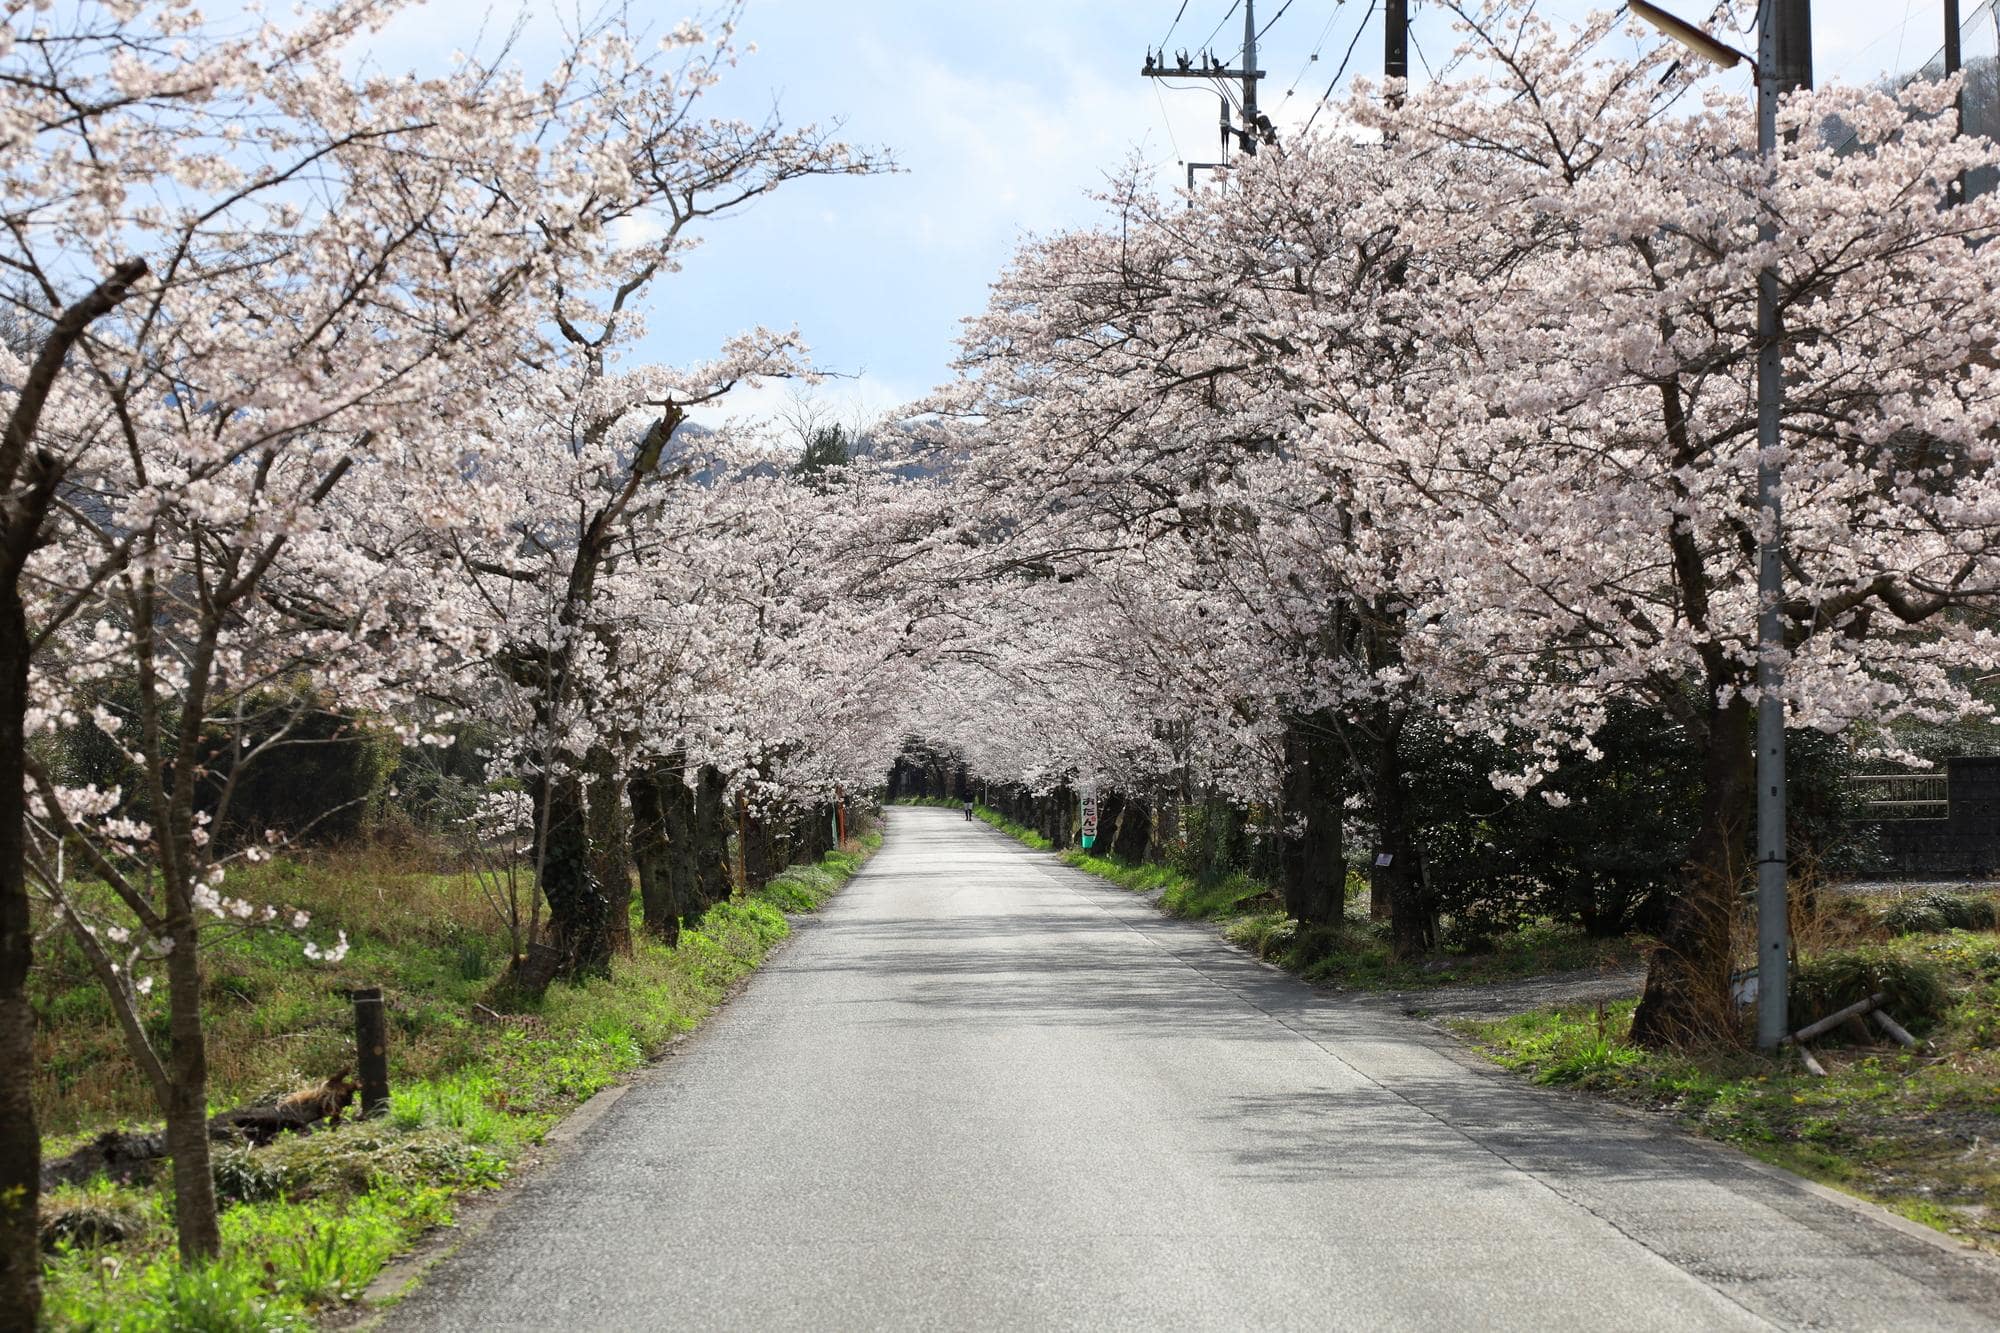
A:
989,1091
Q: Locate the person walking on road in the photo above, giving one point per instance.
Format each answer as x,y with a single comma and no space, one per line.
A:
968,807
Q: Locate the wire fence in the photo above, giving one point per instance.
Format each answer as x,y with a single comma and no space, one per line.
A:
1979,46
1902,795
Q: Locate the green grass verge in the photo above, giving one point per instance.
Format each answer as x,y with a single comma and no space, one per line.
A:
310,1220
1918,1131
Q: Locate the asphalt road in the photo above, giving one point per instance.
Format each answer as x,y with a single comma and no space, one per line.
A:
987,1091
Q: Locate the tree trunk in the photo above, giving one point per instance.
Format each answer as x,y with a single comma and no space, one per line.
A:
654,849
1166,828
760,850
1110,809
816,835
579,909
1132,832
1315,873
20,1136
609,831
195,1213
1687,982
713,816
1062,807
1412,917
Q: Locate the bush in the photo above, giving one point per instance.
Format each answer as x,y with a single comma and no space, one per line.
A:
1915,987
1934,912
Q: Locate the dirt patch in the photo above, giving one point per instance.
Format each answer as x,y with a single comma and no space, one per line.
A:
1519,995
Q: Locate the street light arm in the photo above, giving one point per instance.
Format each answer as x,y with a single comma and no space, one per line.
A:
1718,53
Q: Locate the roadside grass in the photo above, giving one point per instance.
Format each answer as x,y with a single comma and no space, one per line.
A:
310,1220
1917,1131
1355,955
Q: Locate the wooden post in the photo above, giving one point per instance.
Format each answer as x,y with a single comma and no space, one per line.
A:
742,867
371,1046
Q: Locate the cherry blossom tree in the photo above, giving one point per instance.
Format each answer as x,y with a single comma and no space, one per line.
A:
1594,446
261,303
1454,411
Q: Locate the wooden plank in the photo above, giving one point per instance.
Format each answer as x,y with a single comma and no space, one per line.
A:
1894,1029
1834,1020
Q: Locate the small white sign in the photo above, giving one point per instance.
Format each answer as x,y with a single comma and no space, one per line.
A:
1385,859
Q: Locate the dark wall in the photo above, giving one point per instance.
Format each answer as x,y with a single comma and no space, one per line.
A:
1965,843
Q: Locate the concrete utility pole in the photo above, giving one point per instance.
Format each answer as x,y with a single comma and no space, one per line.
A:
1784,48
1953,62
1256,126
1783,65
1396,40
1250,117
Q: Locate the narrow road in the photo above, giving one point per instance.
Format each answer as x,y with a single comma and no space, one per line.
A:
987,1091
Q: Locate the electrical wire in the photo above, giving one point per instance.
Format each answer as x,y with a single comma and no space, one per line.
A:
1234,5
1161,99
1274,18
1318,45
1342,71
1170,29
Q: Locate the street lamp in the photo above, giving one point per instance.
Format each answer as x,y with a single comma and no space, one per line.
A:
1784,62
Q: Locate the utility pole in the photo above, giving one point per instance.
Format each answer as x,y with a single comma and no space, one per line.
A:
1256,126
1783,65
1784,42
1250,116
1396,40
1953,62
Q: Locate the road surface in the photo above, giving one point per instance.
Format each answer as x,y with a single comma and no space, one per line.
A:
988,1091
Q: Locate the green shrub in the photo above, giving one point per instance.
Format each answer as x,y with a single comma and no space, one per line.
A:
1915,987
1935,911
1200,900
1266,934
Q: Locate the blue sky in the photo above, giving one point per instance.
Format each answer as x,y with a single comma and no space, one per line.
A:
1004,116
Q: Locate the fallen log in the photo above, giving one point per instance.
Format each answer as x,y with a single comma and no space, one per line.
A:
129,1157
124,1158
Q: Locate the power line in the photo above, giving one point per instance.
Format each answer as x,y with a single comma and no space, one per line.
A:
1161,99
1274,18
1318,45
1175,24
1233,7
1342,71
